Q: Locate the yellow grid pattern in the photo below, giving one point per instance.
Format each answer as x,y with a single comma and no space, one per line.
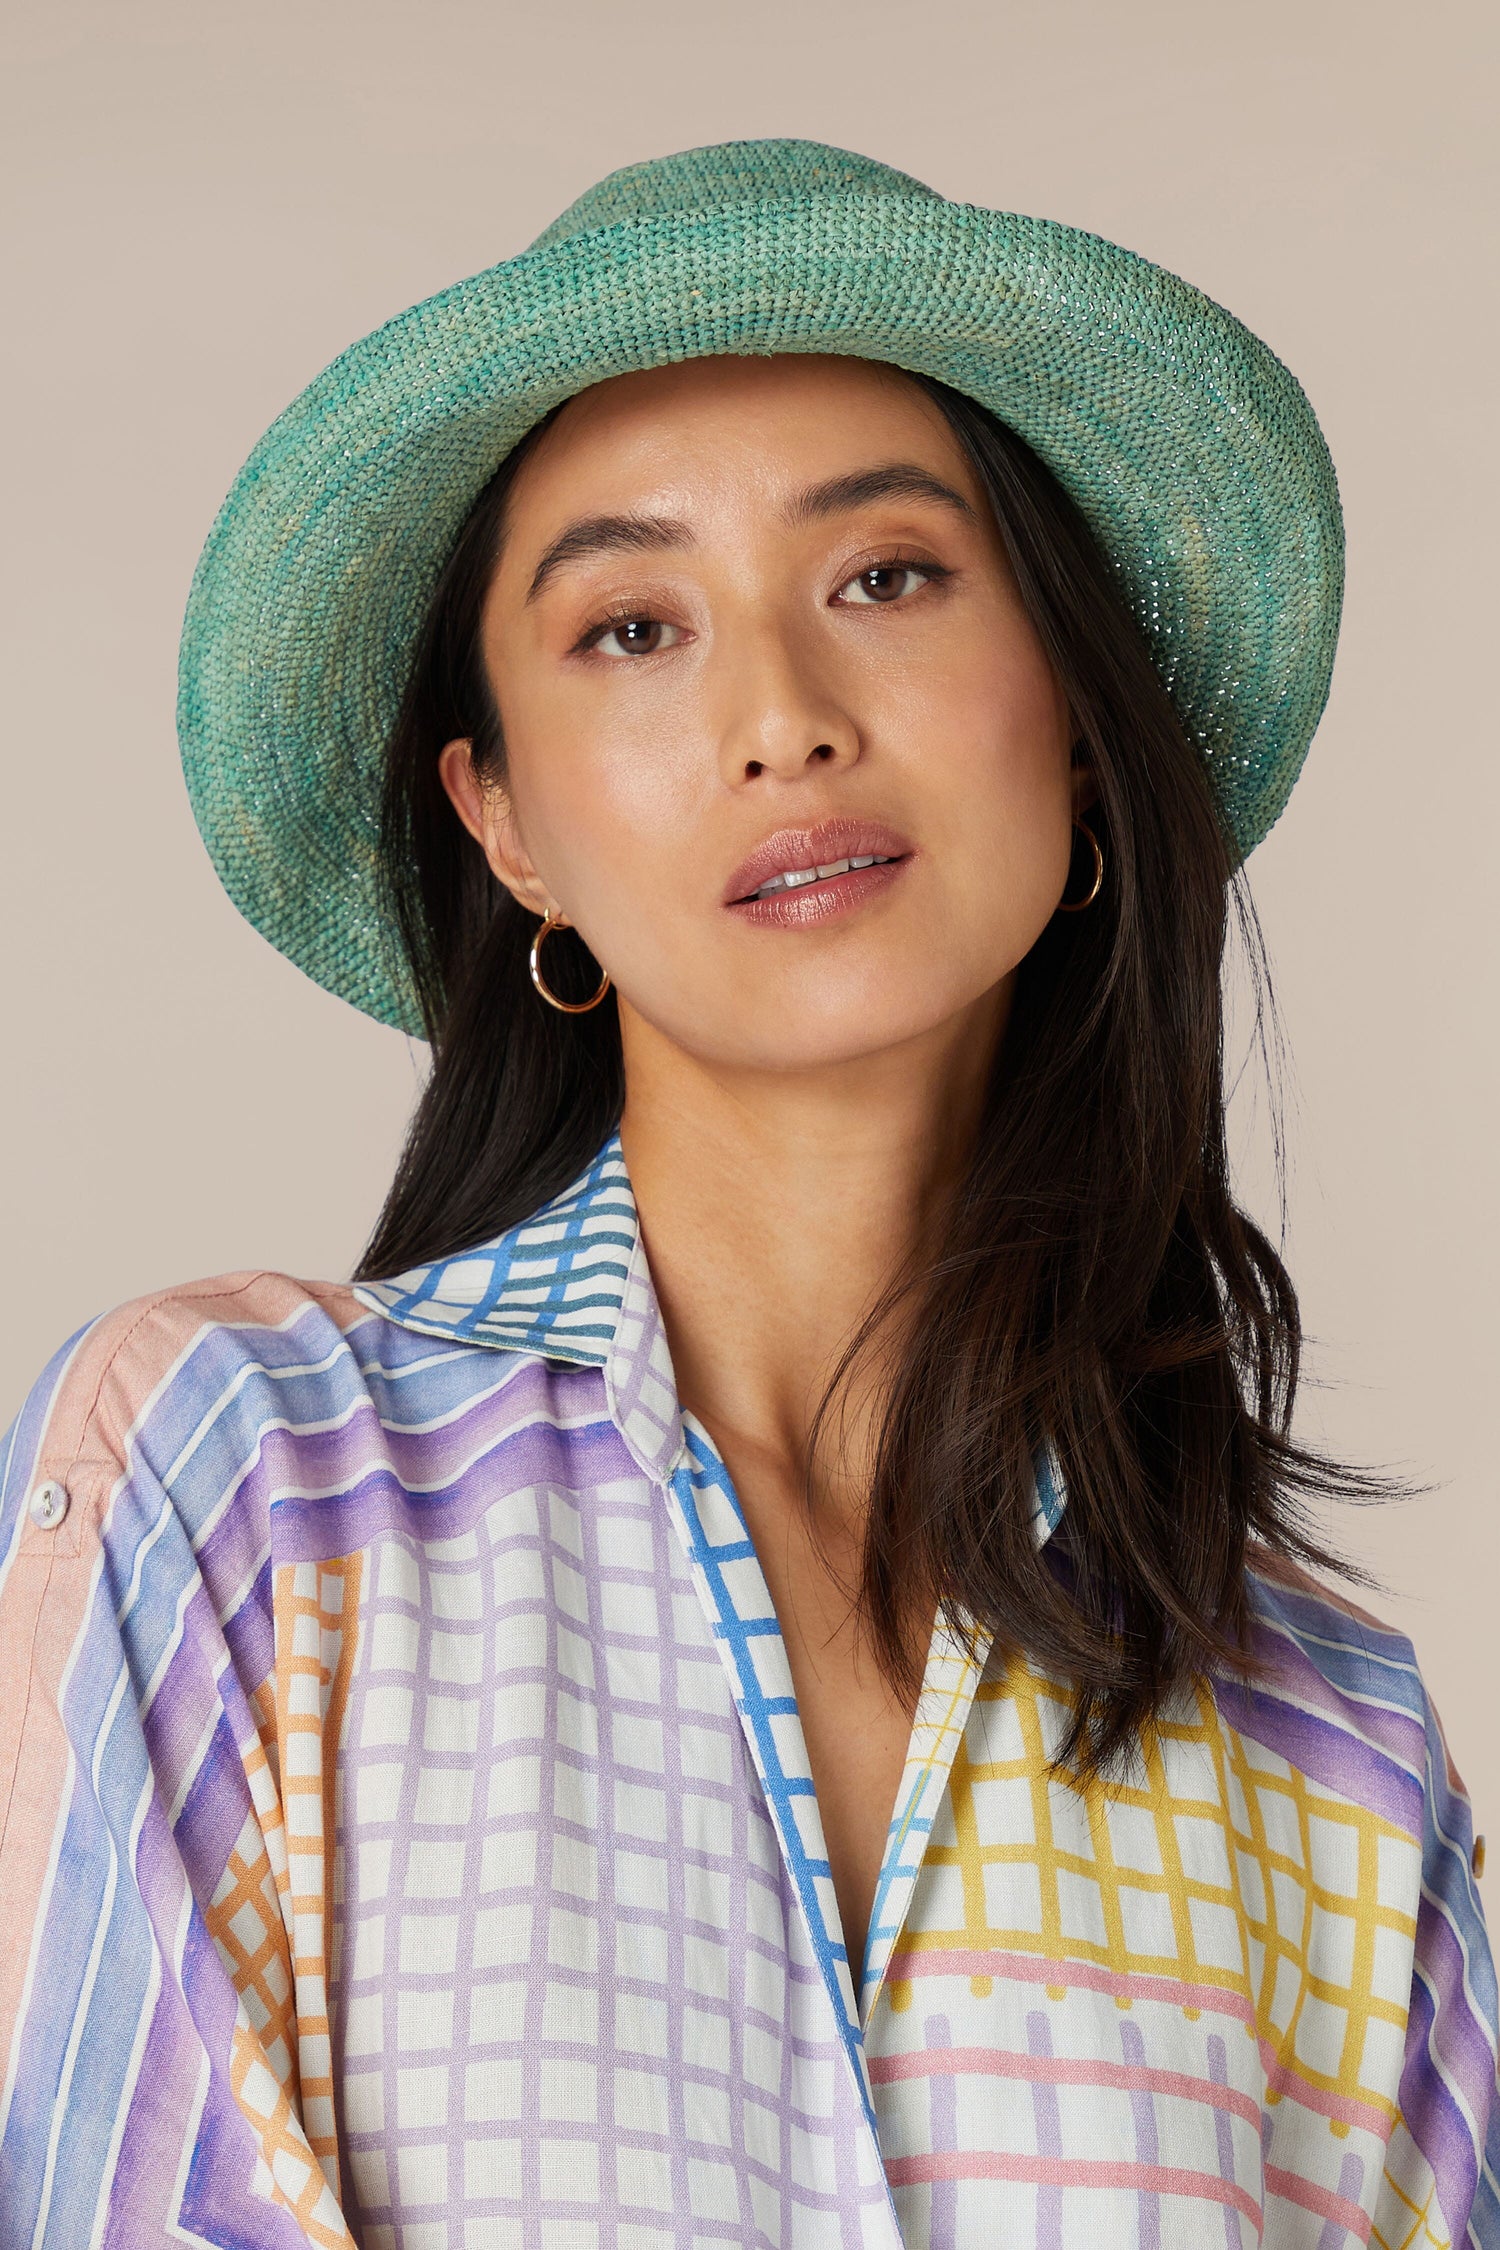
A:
1409,2224
271,1913
1216,1865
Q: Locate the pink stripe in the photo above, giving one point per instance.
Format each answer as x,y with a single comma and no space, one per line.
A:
1072,2172
1321,2201
1024,1968
43,1610
1059,2071
1343,2109
1021,1968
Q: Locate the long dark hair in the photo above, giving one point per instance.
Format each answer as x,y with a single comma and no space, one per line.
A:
1097,1288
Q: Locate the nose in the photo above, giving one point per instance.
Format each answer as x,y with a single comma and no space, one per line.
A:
782,719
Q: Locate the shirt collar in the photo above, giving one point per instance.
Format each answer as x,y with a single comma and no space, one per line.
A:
571,1284
554,1284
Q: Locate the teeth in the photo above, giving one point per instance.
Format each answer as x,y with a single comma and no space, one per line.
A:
795,877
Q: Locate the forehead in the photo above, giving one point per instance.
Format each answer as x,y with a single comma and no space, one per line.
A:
770,425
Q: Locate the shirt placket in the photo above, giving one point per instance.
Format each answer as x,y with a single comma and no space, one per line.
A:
678,1454
951,1676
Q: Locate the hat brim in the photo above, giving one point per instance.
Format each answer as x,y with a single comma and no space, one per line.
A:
1190,449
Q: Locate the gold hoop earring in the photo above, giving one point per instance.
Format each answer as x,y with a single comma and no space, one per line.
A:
554,921
1077,905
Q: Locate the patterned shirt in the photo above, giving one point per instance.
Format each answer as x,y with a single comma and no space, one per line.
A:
407,1838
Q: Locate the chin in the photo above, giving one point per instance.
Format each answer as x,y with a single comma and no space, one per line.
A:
795,1036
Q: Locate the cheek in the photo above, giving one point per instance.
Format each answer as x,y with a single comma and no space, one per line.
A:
606,810
993,741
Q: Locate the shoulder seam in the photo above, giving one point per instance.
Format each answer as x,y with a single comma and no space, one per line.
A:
85,1459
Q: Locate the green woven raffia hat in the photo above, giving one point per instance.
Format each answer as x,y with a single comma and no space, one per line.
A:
1189,448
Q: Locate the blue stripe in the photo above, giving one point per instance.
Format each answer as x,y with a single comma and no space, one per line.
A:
93,1823
122,1982
1484,2219
416,1381
704,1468
244,1380
1362,1661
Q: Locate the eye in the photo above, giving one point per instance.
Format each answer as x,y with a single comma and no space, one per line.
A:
634,636
886,583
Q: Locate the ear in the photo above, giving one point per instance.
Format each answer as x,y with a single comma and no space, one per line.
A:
486,811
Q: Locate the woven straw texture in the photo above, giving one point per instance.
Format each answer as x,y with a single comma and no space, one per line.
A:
1190,449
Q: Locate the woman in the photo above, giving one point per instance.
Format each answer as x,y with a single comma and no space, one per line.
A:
756,1678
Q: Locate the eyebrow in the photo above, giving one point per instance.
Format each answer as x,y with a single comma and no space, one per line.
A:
893,480
638,534
607,535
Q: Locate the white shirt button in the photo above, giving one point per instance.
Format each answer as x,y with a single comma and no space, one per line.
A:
49,1504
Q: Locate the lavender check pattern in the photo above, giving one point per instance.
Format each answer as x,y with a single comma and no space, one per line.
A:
536,1940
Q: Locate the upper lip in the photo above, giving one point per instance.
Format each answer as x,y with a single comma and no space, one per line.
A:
800,848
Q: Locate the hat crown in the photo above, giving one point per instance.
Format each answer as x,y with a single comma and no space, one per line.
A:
729,172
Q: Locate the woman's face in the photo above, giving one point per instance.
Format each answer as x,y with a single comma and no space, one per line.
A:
752,620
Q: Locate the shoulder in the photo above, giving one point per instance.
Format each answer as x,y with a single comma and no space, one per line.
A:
132,1484
1301,1622
160,1362
262,1410
1339,1693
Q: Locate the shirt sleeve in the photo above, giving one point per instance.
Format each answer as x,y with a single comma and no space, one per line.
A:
1442,2175
151,2050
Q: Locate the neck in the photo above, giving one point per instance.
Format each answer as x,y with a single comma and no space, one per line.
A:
777,1207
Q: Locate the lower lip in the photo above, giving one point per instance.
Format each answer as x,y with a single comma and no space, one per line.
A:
810,903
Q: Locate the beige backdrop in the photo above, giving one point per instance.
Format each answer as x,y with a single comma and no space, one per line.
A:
210,201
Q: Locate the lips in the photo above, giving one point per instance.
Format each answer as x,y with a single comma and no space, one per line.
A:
804,850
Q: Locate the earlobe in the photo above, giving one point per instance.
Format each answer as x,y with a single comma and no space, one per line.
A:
510,862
